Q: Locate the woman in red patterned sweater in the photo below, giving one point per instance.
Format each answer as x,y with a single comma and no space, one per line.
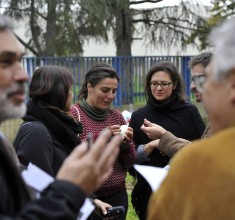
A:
94,112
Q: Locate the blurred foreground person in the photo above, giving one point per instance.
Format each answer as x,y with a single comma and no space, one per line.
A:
200,183
81,173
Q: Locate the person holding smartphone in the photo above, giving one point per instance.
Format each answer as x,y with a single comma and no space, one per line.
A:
93,109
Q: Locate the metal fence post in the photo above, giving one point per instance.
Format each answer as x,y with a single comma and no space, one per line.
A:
116,62
186,75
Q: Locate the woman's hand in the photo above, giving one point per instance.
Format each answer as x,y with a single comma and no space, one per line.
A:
153,131
116,129
128,135
101,206
149,147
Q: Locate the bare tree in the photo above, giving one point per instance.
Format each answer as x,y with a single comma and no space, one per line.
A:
59,27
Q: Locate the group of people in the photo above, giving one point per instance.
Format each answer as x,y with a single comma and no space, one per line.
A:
54,136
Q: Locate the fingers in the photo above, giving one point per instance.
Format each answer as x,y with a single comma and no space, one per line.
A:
144,129
147,123
116,129
79,151
100,143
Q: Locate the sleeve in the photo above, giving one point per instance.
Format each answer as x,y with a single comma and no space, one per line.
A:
133,124
169,144
60,200
33,143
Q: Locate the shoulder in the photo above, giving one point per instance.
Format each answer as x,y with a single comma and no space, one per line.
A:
116,115
34,129
203,153
115,112
141,110
190,106
75,108
34,125
203,168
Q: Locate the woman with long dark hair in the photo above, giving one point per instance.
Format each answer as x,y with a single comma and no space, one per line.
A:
167,107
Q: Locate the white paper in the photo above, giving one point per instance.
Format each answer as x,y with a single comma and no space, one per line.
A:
86,210
39,180
153,175
36,178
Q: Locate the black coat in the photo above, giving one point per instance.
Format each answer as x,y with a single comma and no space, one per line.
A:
46,138
60,200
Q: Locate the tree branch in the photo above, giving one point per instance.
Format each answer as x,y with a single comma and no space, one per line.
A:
41,15
27,46
144,1
149,21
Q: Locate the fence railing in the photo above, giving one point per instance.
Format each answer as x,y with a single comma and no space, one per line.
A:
131,70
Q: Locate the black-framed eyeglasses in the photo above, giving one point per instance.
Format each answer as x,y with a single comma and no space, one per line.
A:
199,81
163,84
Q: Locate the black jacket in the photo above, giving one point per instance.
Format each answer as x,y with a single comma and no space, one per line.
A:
60,200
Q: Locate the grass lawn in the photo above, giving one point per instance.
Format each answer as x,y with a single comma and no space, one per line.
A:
131,215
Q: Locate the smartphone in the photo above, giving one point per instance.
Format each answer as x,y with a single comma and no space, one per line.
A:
114,211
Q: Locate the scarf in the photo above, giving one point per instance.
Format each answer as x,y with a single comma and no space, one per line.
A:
60,125
93,112
168,105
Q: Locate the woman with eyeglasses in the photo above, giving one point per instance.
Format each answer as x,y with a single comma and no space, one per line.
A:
167,107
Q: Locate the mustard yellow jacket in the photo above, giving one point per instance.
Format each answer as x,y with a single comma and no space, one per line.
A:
200,183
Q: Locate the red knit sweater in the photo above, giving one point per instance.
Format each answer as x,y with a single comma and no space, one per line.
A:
126,158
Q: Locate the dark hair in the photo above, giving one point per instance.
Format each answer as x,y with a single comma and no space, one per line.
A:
94,75
202,58
50,86
169,68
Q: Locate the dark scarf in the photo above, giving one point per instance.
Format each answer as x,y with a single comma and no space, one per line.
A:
60,125
172,103
93,112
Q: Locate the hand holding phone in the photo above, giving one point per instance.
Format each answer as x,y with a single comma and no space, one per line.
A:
113,212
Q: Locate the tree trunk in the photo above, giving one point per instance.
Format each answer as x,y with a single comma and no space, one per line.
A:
123,30
123,40
50,34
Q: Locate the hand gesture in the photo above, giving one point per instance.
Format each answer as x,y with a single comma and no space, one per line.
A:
89,169
153,131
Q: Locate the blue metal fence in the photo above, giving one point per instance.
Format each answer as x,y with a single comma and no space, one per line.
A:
131,70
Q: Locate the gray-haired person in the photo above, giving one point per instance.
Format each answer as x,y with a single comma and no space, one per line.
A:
200,182
81,173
